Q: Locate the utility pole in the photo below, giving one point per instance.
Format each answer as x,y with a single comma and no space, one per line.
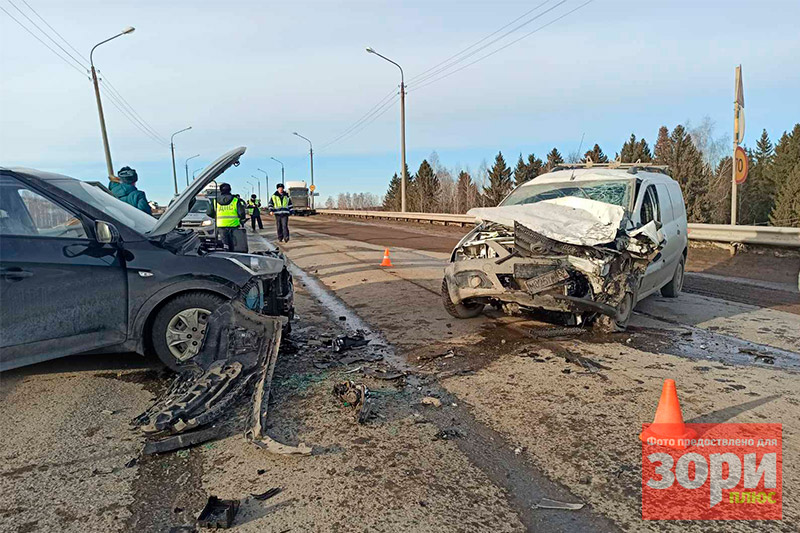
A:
738,137
172,149
266,177
402,128
259,186
186,164
283,175
106,149
311,154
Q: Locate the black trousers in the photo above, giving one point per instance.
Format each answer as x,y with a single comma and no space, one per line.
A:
282,225
256,216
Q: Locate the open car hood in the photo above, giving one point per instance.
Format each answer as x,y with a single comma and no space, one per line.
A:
180,207
571,220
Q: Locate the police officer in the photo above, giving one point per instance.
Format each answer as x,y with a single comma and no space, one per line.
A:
254,206
229,212
280,205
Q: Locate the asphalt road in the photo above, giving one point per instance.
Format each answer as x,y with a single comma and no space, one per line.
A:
521,417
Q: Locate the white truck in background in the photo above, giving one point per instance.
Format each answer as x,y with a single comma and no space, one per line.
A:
301,197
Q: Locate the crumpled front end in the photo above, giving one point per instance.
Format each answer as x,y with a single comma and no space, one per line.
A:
525,269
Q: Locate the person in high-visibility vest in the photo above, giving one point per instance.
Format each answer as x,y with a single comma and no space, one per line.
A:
229,212
254,207
280,205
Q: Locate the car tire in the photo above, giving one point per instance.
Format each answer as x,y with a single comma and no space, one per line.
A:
461,310
182,318
675,285
610,324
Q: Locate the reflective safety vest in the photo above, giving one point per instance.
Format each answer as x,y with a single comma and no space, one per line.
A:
227,215
253,206
280,204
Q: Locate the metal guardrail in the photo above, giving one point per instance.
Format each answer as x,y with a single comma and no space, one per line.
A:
762,235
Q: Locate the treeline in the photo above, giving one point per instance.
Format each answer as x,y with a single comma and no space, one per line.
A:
361,200
697,160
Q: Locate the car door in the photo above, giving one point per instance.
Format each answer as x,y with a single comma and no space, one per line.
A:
672,247
649,210
61,292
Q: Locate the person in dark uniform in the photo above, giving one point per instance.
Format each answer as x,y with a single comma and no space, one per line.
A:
280,205
254,207
229,212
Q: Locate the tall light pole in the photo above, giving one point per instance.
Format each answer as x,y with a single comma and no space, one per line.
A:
172,149
283,175
109,165
195,171
311,154
186,165
402,128
266,178
252,187
259,185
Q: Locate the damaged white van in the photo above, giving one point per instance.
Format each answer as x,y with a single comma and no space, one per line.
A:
586,241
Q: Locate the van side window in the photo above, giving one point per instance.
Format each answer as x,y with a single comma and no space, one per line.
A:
676,197
667,209
649,210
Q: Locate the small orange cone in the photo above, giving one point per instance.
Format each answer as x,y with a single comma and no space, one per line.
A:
386,261
668,428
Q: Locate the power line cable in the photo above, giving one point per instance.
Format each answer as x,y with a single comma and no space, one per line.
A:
477,42
55,31
62,58
364,117
490,43
543,26
116,103
378,112
111,88
46,34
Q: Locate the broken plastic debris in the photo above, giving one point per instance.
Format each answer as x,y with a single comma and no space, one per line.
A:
430,400
356,396
448,434
266,495
218,514
547,503
345,342
273,446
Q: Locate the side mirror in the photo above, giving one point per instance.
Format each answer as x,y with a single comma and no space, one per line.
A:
106,233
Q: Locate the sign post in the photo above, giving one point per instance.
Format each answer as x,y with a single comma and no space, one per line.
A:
738,137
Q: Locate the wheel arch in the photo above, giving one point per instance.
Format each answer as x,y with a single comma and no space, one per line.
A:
150,308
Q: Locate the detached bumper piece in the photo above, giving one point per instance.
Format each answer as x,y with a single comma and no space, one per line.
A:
240,349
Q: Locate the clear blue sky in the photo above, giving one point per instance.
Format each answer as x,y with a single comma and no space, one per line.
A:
251,73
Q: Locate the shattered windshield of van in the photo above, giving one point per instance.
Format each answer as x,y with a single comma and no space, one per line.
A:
614,192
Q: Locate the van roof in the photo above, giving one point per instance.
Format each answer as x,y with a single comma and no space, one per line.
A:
596,173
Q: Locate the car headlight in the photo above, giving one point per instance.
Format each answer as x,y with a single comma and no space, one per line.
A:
207,222
257,265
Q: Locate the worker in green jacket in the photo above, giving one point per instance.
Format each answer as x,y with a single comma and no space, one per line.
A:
229,212
126,191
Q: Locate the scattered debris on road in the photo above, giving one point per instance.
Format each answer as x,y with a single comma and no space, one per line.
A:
355,396
345,342
266,495
218,514
547,503
430,400
448,434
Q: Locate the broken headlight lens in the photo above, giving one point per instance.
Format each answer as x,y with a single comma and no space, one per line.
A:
255,264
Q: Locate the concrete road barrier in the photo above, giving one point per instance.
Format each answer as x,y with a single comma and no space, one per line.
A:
760,235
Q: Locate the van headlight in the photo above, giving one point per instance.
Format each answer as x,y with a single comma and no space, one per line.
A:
207,222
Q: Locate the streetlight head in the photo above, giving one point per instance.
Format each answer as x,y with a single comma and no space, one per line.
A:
129,29
294,133
370,50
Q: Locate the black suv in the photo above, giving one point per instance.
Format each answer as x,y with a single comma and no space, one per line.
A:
81,271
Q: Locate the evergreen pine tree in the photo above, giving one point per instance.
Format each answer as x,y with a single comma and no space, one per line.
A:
427,187
757,194
596,154
687,167
785,173
633,151
500,182
521,171
535,166
553,158
392,200
464,188
662,149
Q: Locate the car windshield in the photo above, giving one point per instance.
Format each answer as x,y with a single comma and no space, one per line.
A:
298,191
99,199
200,206
614,192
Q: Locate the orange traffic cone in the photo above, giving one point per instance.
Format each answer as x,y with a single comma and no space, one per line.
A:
386,261
668,428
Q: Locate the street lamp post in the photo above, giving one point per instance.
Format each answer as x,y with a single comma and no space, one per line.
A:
311,154
402,128
283,175
259,185
195,171
172,149
186,165
252,187
109,165
266,178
